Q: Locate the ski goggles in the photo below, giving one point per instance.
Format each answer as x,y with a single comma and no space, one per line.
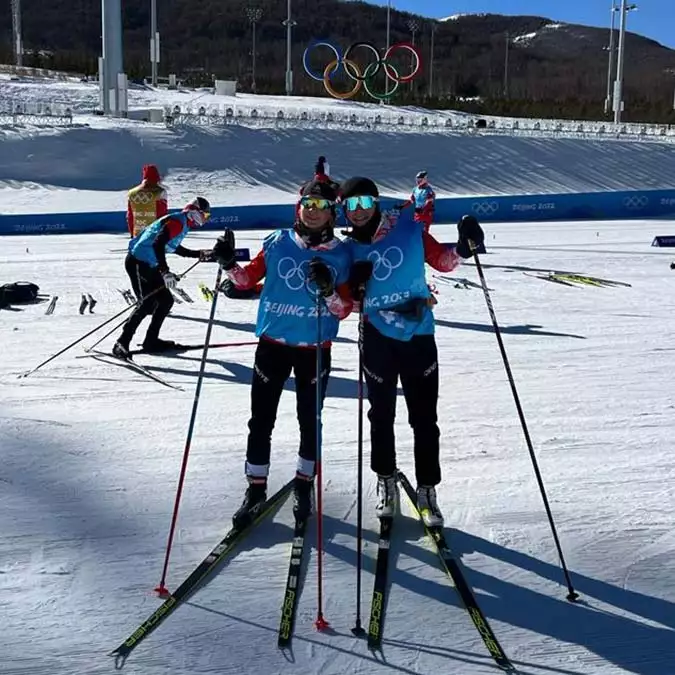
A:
198,217
316,203
361,201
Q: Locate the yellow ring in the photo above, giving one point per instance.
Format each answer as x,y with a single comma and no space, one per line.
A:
330,69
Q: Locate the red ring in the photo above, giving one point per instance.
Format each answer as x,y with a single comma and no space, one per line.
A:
411,48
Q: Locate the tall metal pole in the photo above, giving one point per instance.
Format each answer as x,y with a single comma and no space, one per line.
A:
431,61
253,84
388,23
618,85
111,18
254,15
610,67
506,66
17,39
289,23
154,41
414,26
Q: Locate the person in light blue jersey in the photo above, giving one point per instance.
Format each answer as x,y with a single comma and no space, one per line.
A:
388,280
151,278
296,263
423,198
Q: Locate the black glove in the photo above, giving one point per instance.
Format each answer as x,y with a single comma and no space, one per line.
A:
359,275
224,252
322,277
468,229
206,255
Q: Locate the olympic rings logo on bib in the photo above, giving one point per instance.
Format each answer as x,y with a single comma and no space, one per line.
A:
366,77
386,263
295,275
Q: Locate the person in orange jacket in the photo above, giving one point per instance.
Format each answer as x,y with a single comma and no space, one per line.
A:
146,202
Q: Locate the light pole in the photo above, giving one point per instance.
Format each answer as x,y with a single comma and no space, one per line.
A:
414,26
610,67
618,84
16,32
289,23
154,41
254,15
506,66
388,23
431,60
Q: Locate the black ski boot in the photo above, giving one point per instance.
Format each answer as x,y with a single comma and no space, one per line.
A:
121,351
157,346
256,494
303,497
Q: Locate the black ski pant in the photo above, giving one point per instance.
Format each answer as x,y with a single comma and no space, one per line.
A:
272,367
416,363
145,280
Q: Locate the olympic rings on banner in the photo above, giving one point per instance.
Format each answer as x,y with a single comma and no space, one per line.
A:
362,79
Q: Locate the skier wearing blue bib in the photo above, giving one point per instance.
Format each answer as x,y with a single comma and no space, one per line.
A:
295,263
388,278
150,276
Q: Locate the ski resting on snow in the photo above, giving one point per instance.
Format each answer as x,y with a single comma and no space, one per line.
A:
234,537
293,585
454,571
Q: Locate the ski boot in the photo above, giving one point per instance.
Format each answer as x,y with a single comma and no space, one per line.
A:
254,498
121,351
387,496
157,346
303,496
428,507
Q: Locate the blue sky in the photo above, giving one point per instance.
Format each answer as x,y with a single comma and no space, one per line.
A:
654,18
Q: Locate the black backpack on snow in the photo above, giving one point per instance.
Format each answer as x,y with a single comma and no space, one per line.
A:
18,293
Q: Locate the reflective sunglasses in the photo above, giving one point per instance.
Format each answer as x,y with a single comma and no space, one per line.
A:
316,203
362,201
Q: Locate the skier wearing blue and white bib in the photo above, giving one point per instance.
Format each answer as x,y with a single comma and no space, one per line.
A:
295,263
388,278
150,276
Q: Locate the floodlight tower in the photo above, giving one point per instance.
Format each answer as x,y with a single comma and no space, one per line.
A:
111,75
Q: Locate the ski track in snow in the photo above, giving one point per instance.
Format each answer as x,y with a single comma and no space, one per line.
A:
91,455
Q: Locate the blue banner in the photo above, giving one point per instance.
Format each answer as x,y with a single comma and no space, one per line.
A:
664,241
518,208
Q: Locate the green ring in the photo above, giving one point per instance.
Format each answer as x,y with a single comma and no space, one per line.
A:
367,78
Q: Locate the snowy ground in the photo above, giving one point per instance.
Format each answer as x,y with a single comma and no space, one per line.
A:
91,453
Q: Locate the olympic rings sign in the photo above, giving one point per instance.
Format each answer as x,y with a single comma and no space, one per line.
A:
366,77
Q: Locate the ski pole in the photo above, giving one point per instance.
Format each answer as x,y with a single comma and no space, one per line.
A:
116,327
320,622
95,330
161,589
138,304
358,629
572,594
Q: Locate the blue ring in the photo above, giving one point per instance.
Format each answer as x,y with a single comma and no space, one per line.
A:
321,43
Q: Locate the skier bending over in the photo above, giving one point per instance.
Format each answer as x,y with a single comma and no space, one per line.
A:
150,276
295,263
398,336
